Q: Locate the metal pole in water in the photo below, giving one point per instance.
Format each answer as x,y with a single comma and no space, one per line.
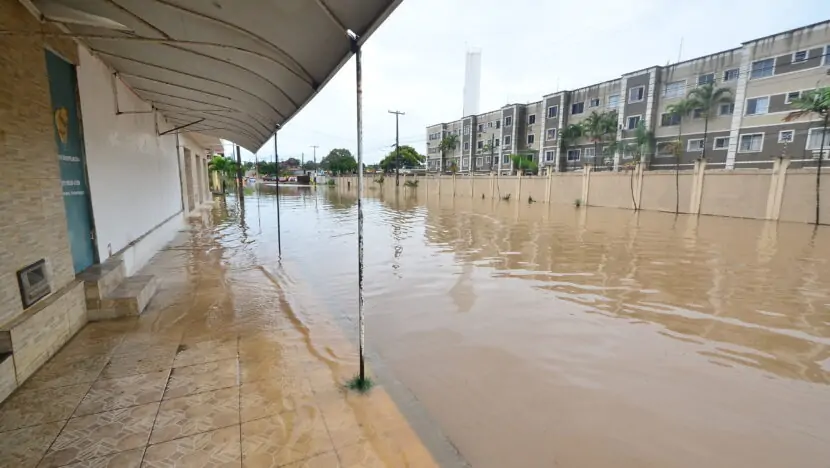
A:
359,85
277,169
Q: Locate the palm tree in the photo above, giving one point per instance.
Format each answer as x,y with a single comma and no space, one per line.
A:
814,102
707,98
569,135
448,143
640,149
598,127
226,167
680,110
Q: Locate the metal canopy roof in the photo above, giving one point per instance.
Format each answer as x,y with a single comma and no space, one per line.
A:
244,66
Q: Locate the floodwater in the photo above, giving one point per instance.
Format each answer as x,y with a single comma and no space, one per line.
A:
537,335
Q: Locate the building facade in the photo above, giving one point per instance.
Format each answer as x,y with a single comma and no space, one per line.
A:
764,76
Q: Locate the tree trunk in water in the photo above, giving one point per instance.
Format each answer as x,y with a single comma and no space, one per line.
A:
631,184
705,133
818,170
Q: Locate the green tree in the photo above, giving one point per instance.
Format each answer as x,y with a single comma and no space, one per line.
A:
639,149
224,166
448,144
409,158
815,102
248,165
599,127
310,165
524,163
680,110
339,161
569,135
291,162
706,99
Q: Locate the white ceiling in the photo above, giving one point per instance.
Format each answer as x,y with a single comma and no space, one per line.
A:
244,66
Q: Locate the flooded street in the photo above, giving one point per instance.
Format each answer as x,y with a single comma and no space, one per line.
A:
538,335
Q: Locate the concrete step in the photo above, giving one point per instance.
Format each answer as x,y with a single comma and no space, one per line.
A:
8,378
130,298
100,280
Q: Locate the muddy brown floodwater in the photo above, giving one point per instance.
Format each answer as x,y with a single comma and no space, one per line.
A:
539,336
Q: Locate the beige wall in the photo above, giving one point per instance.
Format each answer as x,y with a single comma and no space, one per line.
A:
659,191
799,202
741,194
32,218
611,189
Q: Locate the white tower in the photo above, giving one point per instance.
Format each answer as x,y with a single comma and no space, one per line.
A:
472,82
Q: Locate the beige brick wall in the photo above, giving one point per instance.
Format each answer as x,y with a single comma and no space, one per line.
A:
32,219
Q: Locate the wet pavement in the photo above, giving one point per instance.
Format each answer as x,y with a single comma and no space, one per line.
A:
222,370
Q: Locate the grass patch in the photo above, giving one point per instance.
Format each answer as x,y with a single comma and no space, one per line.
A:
360,385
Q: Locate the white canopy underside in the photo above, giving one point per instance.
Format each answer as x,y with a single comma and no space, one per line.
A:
244,66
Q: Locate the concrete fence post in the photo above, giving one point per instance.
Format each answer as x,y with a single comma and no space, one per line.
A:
453,185
697,186
586,183
518,185
547,185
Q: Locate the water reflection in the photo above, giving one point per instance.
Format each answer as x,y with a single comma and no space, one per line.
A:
584,337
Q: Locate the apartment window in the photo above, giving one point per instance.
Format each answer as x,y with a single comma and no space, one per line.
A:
757,106
531,138
498,123
573,154
577,108
589,153
480,128
505,159
800,56
751,143
705,79
694,145
496,143
731,74
466,145
480,145
550,155
614,101
697,113
507,139
675,89
726,109
487,160
479,161
721,143
508,121
593,103
551,134
636,94
792,96
466,129
632,122
762,68
465,163
786,136
553,111
669,120
489,124
531,119
814,139
665,149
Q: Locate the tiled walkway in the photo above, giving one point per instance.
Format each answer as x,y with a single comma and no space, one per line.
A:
219,372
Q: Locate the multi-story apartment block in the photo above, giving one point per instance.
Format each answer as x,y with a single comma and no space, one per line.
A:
764,76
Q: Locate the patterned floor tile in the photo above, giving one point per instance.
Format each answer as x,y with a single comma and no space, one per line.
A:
129,364
88,347
284,438
215,449
202,377
267,397
205,351
102,434
251,370
127,459
197,413
61,374
123,392
360,455
30,407
23,448
353,418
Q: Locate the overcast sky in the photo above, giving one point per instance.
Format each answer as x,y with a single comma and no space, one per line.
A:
415,61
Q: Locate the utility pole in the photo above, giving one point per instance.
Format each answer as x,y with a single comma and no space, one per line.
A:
315,162
397,147
238,168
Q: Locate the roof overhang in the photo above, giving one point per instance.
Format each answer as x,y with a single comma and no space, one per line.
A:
243,68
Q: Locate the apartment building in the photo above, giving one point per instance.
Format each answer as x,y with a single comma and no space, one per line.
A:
764,76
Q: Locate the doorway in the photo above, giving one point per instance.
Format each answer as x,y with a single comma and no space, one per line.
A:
66,121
